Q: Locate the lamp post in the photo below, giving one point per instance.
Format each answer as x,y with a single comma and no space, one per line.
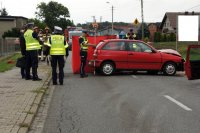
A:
112,8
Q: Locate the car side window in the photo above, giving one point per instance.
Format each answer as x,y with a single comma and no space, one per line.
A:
139,47
116,46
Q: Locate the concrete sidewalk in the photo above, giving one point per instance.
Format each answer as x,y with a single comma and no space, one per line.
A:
20,98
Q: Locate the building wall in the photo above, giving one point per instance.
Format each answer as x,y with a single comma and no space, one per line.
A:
20,22
6,25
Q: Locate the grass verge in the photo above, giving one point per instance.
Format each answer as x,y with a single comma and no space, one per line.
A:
8,62
182,46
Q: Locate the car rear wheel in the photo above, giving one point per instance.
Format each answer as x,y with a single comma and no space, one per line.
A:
169,69
107,68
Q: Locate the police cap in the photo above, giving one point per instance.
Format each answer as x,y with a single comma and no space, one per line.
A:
30,25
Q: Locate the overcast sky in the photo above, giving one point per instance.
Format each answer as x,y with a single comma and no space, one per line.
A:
81,11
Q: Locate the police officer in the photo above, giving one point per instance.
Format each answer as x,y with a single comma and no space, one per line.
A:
131,35
32,47
23,50
58,45
83,41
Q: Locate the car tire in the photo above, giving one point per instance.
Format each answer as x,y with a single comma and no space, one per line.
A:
107,68
169,69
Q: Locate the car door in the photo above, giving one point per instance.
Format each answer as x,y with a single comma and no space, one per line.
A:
192,64
115,51
143,57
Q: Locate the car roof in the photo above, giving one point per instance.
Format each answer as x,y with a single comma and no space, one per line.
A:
125,40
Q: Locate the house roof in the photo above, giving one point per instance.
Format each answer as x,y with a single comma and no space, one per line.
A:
12,17
172,16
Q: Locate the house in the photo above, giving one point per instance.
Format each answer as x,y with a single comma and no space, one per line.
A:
9,22
169,22
153,27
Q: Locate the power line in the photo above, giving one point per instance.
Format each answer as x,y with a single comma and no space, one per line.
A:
193,7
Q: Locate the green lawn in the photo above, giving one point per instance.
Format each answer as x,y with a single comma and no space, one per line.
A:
182,46
9,62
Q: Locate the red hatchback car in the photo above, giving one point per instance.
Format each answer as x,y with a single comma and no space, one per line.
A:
121,54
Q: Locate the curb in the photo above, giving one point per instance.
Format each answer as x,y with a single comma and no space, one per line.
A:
34,108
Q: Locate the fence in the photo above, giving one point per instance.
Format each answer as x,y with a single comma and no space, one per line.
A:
9,46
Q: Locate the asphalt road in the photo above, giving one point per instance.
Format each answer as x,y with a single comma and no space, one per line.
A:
125,103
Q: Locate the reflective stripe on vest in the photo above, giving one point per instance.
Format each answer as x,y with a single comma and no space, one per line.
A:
85,41
57,45
31,43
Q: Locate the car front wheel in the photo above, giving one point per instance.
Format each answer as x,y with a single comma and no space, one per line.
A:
169,68
107,68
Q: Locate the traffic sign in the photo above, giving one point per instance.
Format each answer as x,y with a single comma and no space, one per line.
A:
95,25
136,22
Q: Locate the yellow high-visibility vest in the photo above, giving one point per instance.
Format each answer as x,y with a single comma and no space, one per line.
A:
57,45
85,41
31,43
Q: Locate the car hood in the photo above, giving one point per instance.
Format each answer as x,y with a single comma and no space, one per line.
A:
170,51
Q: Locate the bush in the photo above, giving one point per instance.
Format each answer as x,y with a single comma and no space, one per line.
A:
15,32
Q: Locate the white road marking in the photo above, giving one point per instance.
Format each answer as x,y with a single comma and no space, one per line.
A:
135,77
178,103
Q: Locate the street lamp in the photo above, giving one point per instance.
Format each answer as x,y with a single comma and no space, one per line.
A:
112,15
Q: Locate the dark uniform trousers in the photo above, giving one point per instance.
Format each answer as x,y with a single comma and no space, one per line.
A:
83,55
57,59
31,61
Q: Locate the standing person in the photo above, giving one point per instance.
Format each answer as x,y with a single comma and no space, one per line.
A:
130,35
58,45
46,36
32,47
23,50
83,41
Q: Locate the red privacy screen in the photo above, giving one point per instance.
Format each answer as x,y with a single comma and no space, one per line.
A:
76,51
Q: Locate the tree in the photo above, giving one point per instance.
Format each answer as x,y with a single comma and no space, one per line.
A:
38,23
53,14
4,12
157,37
172,37
146,32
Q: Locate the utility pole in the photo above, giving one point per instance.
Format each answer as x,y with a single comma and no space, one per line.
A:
112,8
112,18
100,19
94,19
142,19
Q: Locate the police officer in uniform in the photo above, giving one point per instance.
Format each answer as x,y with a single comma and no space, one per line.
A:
57,43
131,35
83,41
32,47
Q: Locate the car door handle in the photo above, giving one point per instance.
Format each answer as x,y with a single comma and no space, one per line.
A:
130,54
